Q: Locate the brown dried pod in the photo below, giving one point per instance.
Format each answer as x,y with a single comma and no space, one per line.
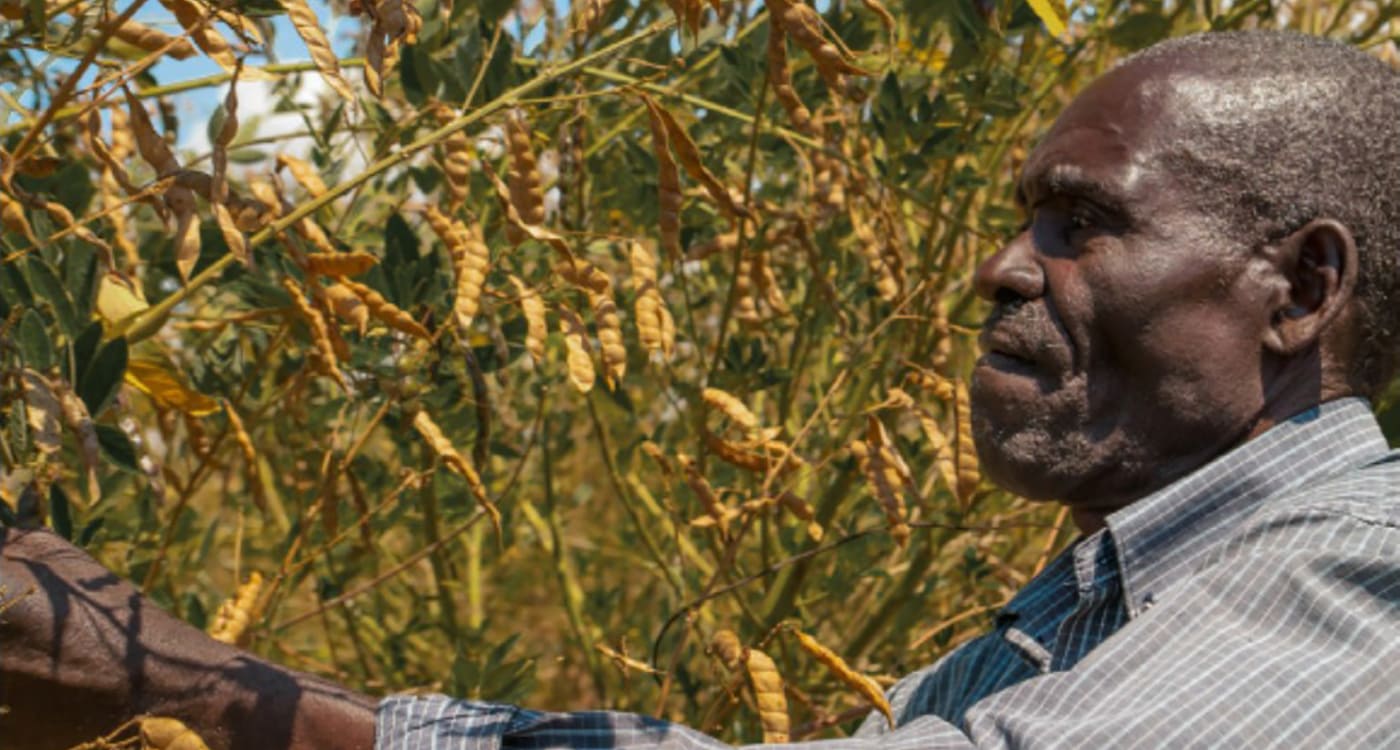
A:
689,156
866,687
308,27
456,159
580,363
668,183
233,618
614,352
443,449
385,311
523,178
324,358
536,329
768,694
339,264
804,26
303,173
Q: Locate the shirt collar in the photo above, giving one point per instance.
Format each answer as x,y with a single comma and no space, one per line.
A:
1159,537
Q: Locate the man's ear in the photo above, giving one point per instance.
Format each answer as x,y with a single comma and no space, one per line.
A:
1318,265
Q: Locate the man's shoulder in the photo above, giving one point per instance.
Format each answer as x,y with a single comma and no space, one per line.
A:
1355,511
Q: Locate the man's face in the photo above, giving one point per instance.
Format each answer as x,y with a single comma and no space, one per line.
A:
1124,347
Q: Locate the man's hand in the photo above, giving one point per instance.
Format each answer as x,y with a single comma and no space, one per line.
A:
82,651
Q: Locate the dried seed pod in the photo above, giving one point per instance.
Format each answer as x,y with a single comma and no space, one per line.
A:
655,328
762,457
614,352
580,363
654,452
524,176
443,449
308,27
395,22
745,306
780,79
179,200
198,24
886,284
689,156
668,184
766,284
726,646
653,319
965,458
323,359
802,23
768,693
162,733
385,311
470,263
889,476
584,275
347,306
339,264
456,159
150,40
536,329
231,621
12,218
719,513
720,243
303,173
240,435
730,407
802,510
866,687
540,234
374,63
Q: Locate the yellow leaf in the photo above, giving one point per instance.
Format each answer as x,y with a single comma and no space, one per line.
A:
118,298
1052,13
155,379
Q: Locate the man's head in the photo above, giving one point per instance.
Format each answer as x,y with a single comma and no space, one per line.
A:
1213,243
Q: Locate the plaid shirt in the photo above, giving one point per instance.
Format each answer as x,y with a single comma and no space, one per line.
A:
1254,602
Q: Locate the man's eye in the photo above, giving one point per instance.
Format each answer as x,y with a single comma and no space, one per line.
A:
1079,220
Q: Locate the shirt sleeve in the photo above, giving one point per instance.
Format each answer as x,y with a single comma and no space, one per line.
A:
437,722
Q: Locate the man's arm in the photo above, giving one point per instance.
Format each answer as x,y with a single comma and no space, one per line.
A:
81,651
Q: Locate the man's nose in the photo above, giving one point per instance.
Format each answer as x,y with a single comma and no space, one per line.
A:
1013,271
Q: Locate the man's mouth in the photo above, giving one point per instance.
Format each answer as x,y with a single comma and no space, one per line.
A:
1008,362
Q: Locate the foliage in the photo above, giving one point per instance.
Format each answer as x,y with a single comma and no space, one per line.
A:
536,366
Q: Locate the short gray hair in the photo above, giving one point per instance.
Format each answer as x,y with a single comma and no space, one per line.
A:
1293,128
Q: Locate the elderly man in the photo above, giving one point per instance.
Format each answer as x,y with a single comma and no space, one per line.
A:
1179,348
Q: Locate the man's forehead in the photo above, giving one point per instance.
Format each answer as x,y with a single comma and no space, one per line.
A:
1105,140
1089,162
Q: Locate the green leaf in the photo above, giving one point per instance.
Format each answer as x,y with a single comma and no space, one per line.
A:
90,530
247,156
118,448
49,288
80,277
35,348
70,185
60,512
98,383
84,347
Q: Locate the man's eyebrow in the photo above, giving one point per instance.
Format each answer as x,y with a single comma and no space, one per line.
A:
1067,182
